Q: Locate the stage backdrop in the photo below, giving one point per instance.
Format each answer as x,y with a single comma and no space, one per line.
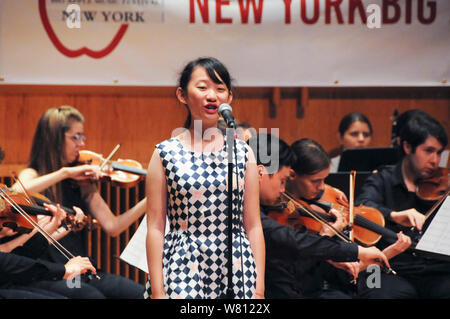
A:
263,42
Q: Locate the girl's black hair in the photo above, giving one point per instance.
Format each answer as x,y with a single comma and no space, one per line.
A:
216,71
311,158
351,118
418,128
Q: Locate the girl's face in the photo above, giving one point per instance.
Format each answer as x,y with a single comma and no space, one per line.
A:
204,97
309,186
74,141
358,135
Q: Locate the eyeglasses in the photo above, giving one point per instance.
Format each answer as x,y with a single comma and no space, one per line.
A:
78,138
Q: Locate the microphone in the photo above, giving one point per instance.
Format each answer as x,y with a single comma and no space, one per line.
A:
225,111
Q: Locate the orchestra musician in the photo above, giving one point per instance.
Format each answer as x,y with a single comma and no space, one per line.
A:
393,192
20,265
400,122
310,171
291,252
52,170
354,131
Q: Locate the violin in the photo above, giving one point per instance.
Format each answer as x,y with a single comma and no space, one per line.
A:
10,217
434,187
122,173
369,222
298,213
75,225
32,204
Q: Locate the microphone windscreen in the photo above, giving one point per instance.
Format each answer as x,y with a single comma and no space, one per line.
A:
224,107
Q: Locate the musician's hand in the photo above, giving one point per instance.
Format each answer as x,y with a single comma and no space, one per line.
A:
78,265
341,195
6,232
402,243
83,172
339,224
372,255
51,223
58,213
77,220
409,217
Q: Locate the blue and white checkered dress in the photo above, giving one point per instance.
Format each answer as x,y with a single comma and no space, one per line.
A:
195,249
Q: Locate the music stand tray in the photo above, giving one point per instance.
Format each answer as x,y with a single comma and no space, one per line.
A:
367,159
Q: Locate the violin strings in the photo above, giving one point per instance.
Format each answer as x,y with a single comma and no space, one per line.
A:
319,219
316,217
19,209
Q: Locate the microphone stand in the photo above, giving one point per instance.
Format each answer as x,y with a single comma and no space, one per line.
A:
230,133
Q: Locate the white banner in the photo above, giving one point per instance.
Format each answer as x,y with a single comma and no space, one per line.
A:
262,42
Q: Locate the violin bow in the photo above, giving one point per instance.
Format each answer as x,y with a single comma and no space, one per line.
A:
109,156
19,182
351,216
317,218
436,204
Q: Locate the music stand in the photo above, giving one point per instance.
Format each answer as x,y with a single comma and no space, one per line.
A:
435,242
367,159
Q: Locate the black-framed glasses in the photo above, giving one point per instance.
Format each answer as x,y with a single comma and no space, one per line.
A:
78,138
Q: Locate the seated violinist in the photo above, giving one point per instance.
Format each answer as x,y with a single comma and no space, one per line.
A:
52,171
310,171
20,265
393,192
290,251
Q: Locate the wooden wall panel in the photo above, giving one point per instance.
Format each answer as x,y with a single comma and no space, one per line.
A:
138,118
326,107
138,123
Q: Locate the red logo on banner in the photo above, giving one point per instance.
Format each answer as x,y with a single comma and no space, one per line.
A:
84,50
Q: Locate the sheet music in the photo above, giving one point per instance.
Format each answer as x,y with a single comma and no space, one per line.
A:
135,252
436,238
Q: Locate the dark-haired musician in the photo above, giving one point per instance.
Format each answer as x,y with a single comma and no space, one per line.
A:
289,250
393,192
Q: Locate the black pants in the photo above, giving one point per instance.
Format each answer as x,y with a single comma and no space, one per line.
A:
108,287
429,286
